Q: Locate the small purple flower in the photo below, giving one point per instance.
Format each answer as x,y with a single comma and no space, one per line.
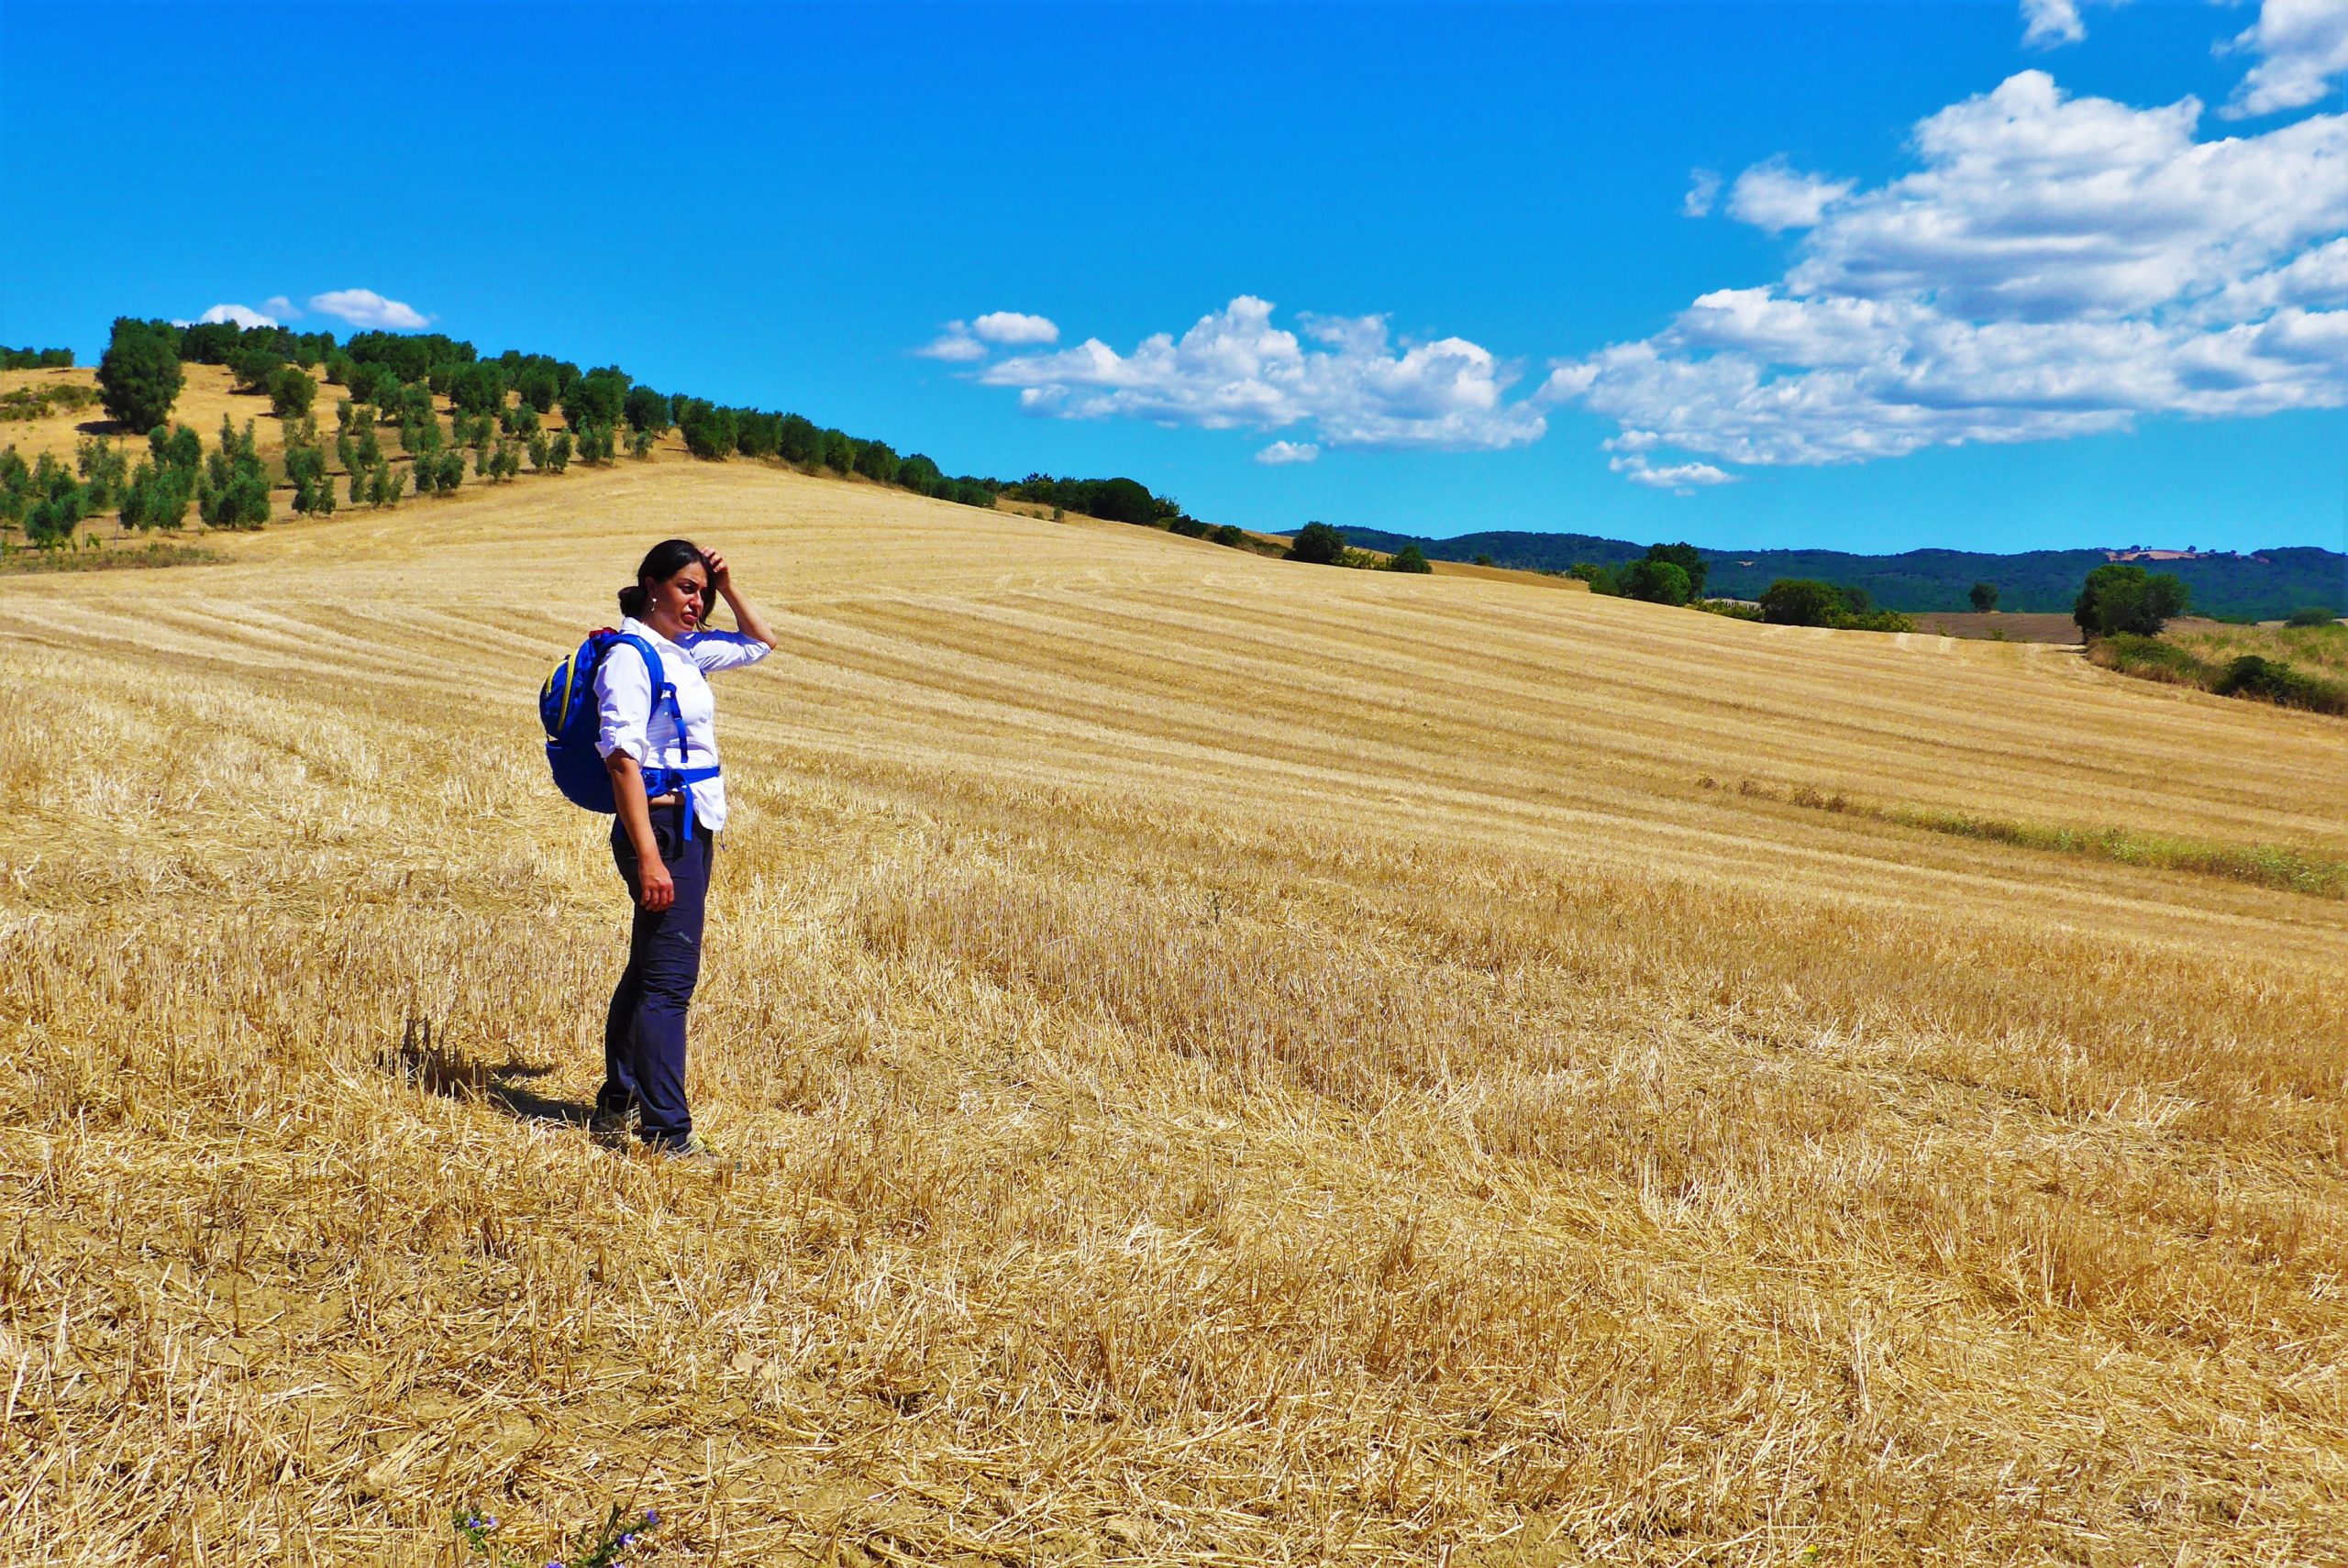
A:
627,1538
651,1517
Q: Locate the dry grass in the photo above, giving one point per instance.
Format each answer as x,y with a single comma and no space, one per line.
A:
2318,650
1232,1063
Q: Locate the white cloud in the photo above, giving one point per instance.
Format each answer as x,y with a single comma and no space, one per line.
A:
2301,44
1284,452
1777,197
1011,329
281,307
243,315
2048,24
1235,370
1680,478
2055,265
366,308
954,344
1703,190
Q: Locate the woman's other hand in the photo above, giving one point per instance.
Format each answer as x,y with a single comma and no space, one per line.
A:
721,577
655,890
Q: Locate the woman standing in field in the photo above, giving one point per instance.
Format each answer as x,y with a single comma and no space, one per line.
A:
666,835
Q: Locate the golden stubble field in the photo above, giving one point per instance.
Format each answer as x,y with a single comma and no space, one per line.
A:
1229,1063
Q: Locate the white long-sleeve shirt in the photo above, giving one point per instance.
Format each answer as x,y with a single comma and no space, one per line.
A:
629,721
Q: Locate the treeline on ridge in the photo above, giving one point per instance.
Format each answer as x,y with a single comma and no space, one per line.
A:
392,381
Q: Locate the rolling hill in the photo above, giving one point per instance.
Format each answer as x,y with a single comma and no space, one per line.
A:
1229,1061
2267,585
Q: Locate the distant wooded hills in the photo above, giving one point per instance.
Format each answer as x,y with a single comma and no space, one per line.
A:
2263,586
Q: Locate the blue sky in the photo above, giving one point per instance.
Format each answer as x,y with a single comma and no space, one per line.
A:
1866,276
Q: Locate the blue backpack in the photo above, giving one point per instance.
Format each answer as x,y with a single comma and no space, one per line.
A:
567,707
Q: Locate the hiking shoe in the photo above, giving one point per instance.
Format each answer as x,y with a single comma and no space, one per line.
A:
611,1128
691,1150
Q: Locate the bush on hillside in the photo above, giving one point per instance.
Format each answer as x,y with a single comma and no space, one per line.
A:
1410,557
159,496
1684,556
291,393
877,461
647,410
478,388
1801,602
35,359
2313,615
1318,543
1231,535
538,387
599,397
1984,597
2273,680
2122,597
105,470
140,376
177,448
1602,580
708,430
1655,581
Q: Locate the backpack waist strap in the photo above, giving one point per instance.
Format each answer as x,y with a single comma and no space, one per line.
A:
680,782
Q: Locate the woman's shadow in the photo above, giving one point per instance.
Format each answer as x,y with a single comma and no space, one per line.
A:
434,1070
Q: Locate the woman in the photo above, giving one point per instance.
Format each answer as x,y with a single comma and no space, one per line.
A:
665,839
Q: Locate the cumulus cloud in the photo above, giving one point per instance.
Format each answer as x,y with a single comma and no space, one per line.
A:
954,344
281,307
2055,265
243,315
2049,23
1011,329
2302,46
1280,453
1680,478
1235,370
1703,190
366,308
1777,197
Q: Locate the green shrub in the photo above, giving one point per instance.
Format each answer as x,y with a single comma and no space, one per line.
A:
645,410
1602,580
1684,556
1801,602
1733,609
159,496
291,393
1412,559
2313,615
558,451
254,370
2274,680
1984,597
1655,581
178,447
478,389
140,376
877,461
103,470
1230,533
2122,597
35,359
708,431
1318,543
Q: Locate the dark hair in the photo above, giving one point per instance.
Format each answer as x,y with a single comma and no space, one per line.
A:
661,562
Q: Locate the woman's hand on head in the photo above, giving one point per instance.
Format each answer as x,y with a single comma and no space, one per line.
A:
721,577
655,890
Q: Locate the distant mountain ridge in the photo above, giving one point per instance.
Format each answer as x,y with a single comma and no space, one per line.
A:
2263,585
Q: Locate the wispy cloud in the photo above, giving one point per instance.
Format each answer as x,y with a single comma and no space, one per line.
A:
2050,24
1703,190
1281,452
953,345
1234,368
2302,46
1777,197
366,308
281,307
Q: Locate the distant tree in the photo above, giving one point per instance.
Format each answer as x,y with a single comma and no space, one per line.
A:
558,451
2313,615
1229,533
254,370
2122,597
291,393
1686,557
1801,602
478,388
877,461
799,441
1602,580
449,471
599,397
158,496
338,369
645,410
1655,580
179,449
1984,597
1856,601
538,387
639,444
1483,560
140,376
839,451
1410,557
708,430
105,470
537,449
1318,543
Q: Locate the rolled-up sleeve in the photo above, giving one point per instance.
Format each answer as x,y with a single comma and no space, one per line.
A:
623,705
714,651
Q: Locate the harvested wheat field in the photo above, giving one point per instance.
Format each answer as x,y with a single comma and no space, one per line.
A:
1230,1062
